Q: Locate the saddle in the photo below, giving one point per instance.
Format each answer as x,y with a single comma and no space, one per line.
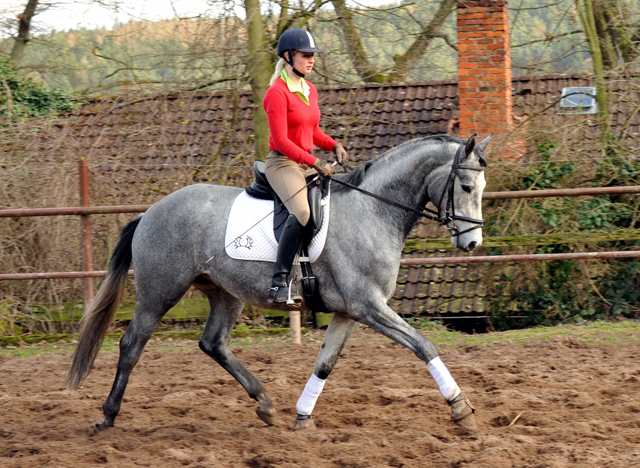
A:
261,189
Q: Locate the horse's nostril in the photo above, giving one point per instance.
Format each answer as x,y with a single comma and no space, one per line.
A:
472,246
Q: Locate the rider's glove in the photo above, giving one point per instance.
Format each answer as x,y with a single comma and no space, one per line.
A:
341,154
323,167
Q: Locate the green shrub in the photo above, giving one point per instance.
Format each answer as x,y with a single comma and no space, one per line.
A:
548,293
28,98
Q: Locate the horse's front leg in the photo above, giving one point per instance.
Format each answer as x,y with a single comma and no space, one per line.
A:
384,320
338,332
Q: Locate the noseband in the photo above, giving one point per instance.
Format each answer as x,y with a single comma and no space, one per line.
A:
449,212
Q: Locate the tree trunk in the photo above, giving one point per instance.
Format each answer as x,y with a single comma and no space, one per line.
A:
587,16
603,22
260,66
618,36
23,31
282,22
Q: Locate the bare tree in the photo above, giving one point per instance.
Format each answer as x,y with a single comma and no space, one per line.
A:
404,63
23,31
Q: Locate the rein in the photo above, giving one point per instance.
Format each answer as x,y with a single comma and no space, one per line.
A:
433,217
449,213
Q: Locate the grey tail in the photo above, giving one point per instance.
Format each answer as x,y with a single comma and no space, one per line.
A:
96,320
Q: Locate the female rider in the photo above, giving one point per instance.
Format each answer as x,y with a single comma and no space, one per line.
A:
292,109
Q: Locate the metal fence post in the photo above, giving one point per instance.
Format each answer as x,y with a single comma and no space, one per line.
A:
87,249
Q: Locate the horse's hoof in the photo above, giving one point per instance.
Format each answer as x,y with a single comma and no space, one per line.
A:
462,413
267,416
306,424
100,427
468,423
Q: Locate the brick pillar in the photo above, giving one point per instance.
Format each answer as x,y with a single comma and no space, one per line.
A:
484,67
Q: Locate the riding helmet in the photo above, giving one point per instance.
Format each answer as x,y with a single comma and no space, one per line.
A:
296,39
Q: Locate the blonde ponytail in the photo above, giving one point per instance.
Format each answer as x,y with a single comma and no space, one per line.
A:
276,74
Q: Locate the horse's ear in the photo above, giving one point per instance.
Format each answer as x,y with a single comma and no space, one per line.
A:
469,146
484,143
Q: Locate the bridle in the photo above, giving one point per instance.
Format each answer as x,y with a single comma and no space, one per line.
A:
449,211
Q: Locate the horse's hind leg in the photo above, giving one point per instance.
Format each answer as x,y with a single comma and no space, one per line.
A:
144,321
225,310
335,338
384,320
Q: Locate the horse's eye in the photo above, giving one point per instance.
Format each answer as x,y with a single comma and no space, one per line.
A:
467,188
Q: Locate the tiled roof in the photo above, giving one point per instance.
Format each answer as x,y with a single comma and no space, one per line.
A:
368,119
201,128
197,127
438,289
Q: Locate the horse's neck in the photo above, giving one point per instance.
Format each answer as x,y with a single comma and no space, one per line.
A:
403,180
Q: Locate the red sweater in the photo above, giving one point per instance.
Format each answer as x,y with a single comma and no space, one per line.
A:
293,124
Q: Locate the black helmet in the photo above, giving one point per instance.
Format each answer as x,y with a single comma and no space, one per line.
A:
296,39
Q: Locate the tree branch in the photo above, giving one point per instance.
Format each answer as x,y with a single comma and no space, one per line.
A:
95,52
406,62
536,8
447,40
549,38
302,16
194,88
359,59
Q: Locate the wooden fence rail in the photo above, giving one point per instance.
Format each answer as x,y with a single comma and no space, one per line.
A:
88,274
90,210
518,258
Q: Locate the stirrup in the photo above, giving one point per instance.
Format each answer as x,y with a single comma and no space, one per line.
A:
294,300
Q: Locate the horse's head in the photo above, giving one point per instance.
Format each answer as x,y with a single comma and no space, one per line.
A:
459,195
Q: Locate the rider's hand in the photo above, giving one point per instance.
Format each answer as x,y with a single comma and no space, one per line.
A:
341,154
323,167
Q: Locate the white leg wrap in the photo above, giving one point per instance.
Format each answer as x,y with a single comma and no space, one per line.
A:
440,373
310,395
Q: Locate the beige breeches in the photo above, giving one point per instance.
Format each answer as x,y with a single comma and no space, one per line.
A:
288,178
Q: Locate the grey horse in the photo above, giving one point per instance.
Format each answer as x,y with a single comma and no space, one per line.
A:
170,245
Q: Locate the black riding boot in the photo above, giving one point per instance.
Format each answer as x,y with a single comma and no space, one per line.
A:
287,249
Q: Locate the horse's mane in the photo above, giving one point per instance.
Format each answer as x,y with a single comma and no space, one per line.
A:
357,176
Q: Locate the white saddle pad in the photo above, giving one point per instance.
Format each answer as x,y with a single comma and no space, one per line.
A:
250,230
